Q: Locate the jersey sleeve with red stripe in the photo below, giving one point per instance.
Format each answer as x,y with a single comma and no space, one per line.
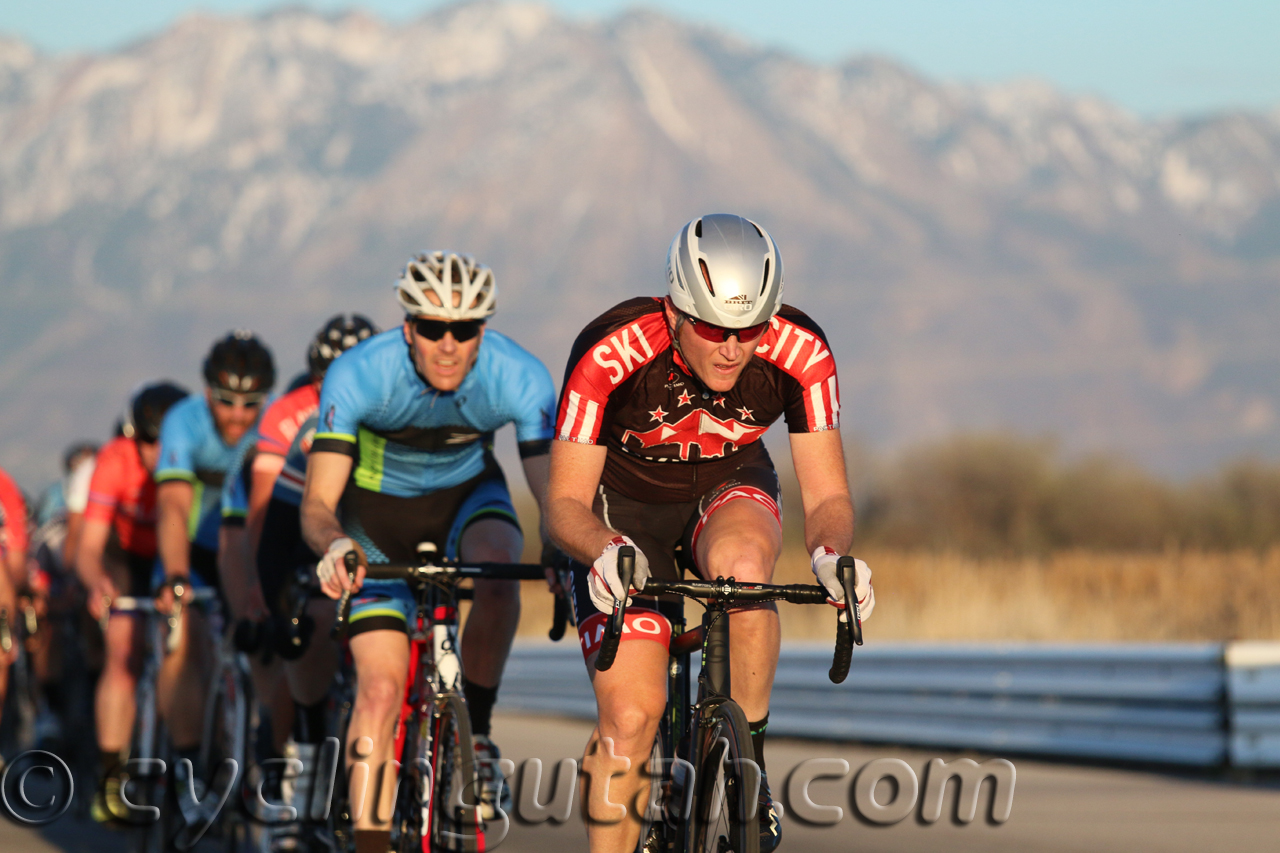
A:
607,352
13,517
797,346
280,422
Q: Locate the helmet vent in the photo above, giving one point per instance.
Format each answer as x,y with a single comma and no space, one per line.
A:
764,282
757,227
697,229
706,276
416,273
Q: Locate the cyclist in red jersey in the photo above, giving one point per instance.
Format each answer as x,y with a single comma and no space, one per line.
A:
13,566
661,414
116,554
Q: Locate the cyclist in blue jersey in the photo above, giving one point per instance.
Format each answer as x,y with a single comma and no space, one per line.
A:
198,442
405,446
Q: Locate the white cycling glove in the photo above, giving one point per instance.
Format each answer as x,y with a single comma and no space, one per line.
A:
824,568
603,581
332,561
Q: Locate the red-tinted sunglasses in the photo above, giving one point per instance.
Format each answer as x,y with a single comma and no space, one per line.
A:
720,334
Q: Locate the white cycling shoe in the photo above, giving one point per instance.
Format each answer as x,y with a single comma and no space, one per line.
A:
495,793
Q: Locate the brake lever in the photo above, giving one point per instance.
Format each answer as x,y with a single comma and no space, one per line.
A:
350,561
617,619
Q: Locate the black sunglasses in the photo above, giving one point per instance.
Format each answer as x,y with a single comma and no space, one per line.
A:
462,330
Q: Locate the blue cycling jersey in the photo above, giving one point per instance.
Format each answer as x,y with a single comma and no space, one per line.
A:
235,487
192,450
410,439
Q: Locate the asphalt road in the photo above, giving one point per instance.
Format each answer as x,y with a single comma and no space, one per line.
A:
1056,807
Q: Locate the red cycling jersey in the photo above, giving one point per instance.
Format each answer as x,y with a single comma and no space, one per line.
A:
281,420
123,494
13,517
627,387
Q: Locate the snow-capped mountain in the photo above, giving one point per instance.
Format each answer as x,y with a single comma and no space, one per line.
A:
978,256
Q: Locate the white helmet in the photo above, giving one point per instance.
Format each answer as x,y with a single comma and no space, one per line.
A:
725,270
446,274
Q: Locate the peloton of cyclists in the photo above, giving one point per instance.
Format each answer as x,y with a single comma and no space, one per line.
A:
404,446
664,403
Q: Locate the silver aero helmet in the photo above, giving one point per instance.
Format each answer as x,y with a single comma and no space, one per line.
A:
726,270
429,284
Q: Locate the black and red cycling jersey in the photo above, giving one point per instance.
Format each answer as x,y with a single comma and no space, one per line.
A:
627,387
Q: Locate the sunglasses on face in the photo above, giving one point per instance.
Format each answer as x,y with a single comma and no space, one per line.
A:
231,398
719,334
462,330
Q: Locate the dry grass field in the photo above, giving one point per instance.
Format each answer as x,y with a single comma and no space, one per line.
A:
1069,596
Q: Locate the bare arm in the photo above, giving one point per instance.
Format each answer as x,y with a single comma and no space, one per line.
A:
173,504
239,580
537,471
327,475
824,489
93,544
266,467
575,474
89,566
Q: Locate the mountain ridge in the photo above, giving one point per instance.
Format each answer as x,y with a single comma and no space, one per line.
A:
981,256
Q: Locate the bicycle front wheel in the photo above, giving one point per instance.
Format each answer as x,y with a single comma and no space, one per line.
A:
725,784
455,803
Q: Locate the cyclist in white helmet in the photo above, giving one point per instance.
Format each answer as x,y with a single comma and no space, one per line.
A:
661,413
405,445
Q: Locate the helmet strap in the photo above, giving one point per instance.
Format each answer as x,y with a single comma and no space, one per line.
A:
703,390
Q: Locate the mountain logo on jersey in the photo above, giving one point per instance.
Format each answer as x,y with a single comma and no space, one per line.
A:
711,435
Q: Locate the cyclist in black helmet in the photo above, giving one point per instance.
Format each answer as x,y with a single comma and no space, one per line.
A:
116,553
198,441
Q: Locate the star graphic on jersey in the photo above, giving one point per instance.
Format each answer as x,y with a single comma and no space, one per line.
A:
657,414
745,413
699,428
719,401
685,399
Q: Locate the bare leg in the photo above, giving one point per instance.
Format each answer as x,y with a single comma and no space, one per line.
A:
114,701
631,698
184,681
742,539
382,665
495,611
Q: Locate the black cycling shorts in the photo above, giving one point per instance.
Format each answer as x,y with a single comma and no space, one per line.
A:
667,532
281,552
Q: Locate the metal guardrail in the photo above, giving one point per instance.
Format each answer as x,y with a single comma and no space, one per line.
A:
1188,704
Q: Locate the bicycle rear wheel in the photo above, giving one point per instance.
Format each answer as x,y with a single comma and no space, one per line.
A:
726,784
228,734
455,823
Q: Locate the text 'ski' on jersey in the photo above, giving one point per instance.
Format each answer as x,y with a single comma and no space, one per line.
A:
192,450
409,439
123,495
626,387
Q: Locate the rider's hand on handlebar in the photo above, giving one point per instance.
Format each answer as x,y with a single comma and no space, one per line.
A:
332,572
603,581
101,593
824,568
164,596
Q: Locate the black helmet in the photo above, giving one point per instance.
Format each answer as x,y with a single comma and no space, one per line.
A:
74,452
147,410
241,364
338,335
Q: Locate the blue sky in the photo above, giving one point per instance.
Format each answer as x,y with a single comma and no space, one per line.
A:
1157,58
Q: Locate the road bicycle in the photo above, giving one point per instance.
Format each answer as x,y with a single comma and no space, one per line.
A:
704,779
145,783
437,804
